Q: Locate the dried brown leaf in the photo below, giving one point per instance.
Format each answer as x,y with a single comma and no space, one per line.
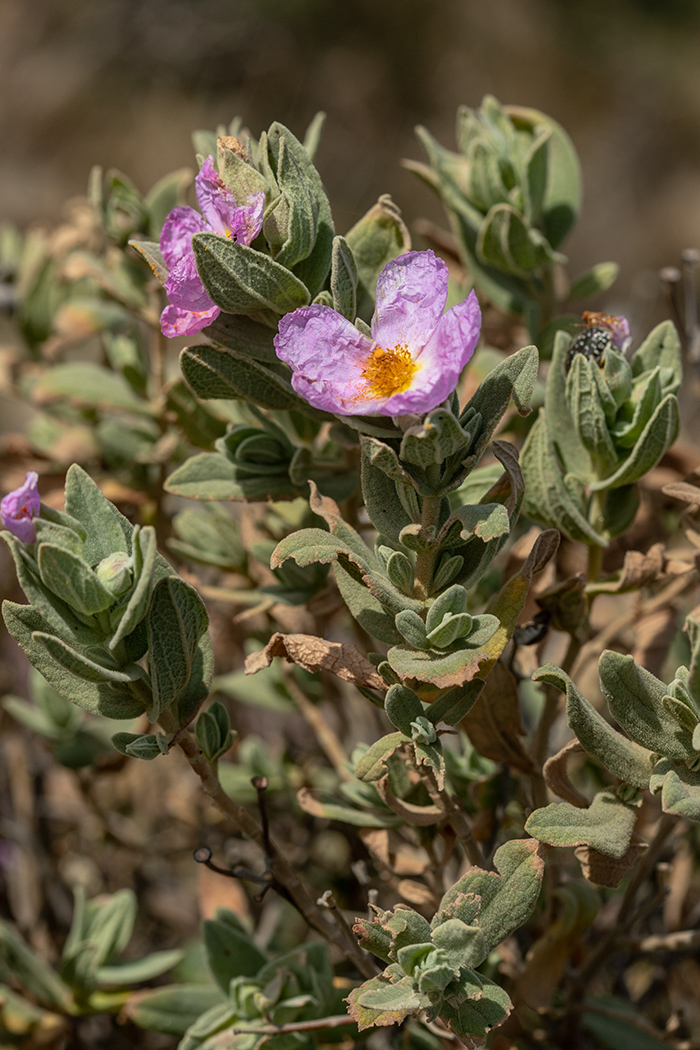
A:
682,490
391,850
608,871
653,635
418,895
493,724
420,816
316,654
557,778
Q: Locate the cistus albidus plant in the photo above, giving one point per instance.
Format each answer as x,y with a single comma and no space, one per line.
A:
381,556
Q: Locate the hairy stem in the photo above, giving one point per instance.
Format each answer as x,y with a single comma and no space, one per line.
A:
425,560
456,817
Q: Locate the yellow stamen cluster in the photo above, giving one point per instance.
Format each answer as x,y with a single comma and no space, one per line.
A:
389,372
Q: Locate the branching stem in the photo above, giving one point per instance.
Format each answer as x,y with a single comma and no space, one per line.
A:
281,869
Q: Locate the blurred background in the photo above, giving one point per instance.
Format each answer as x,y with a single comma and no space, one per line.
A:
122,83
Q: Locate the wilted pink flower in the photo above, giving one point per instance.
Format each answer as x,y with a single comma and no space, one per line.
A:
19,507
411,363
190,308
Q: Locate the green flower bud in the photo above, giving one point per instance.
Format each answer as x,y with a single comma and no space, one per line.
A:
423,731
115,572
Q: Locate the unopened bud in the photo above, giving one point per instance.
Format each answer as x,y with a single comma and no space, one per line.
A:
115,572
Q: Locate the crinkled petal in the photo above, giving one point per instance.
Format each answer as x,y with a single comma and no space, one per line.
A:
411,295
176,236
247,223
175,321
241,222
454,340
184,286
327,355
19,507
441,360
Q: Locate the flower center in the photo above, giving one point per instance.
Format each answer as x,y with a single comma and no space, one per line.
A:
389,372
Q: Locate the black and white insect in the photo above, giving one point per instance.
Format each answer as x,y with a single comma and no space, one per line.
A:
596,337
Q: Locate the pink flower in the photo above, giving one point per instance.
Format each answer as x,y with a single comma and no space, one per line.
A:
412,362
190,308
19,507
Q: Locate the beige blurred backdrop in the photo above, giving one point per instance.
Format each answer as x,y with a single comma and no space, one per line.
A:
123,82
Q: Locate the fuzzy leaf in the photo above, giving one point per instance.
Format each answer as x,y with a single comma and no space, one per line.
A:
242,280
228,374
547,498
207,476
110,700
443,670
248,337
658,435
88,385
635,698
344,279
379,236
606,825
680,789
620,755
177,619
107,530
378,1002
174,1008
662,348
72,579
373,763
230,951
598,279
507,899
475,1017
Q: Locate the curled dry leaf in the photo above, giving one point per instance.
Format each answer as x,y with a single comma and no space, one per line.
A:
608,871
640,569
684,491
398,856
557,778
418,895
653,635
316,654
493,725
419,816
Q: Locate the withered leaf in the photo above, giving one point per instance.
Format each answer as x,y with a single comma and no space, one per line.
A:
608,871
493,725
316,654
557,778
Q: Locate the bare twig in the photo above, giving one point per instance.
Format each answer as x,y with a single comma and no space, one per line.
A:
282,871
337,1021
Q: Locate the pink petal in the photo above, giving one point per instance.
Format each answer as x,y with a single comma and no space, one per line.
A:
19,507
327,355
177,232
242,222
184,286
454,340
411,295
175,321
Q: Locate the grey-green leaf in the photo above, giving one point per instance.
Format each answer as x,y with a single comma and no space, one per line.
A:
606,825
242,280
